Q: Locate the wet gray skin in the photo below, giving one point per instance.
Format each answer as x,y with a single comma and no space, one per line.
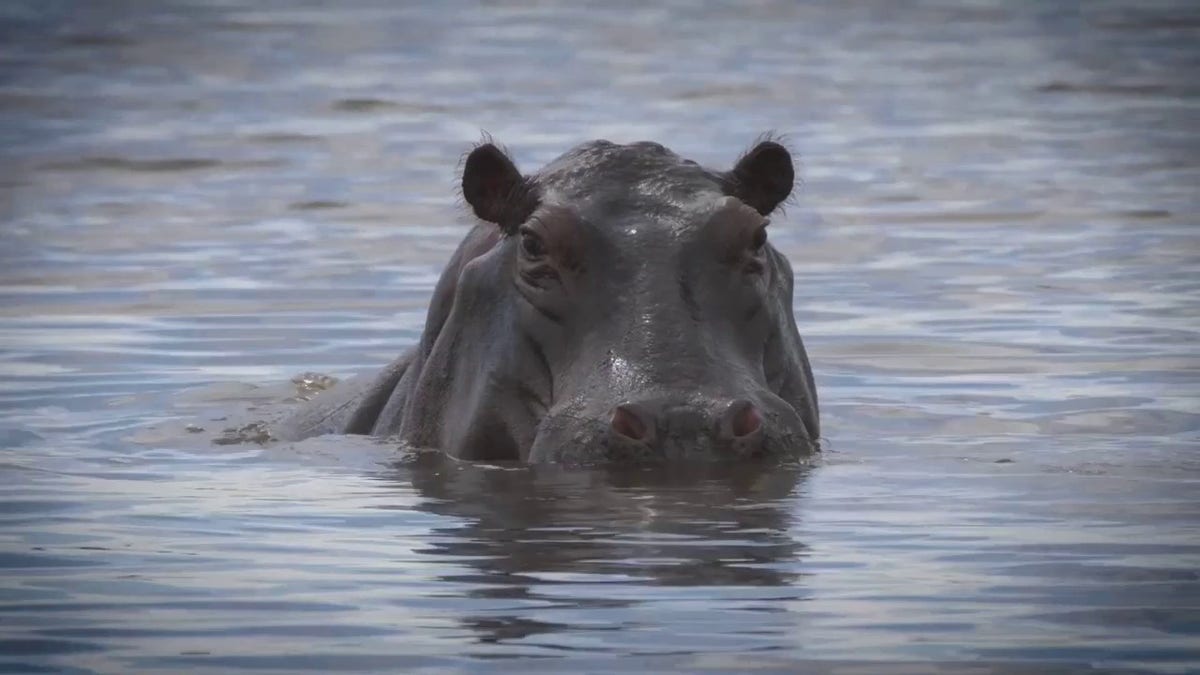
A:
621,304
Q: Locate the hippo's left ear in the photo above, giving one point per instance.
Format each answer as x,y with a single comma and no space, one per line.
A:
496,191
763,177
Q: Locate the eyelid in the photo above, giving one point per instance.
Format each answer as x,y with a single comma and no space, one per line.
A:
759,236
528,239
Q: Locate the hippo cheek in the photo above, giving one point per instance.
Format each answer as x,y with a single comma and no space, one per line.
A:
567,438
783,434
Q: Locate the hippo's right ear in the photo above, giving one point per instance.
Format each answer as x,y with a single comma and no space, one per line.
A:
496,191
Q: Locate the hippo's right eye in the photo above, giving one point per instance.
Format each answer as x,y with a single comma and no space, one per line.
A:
531,244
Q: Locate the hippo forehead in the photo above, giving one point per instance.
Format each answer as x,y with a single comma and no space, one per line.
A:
602,180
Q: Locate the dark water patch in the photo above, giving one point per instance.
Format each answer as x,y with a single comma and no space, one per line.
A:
363,105
248,606
31,668
12,560
1145,213
33,646
1106,88
317,205
391,661
280,630
1180,620
259,24
168,165
1128,652
1167,17
369,105
95,40
730,92
1104,573
15,101
284,138
13,438
22,507
139,165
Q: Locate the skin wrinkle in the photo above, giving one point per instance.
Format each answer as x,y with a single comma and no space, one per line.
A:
689,298
538,307
540,356
652,300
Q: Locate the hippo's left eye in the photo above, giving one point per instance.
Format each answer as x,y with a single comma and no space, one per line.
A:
531,244
760,238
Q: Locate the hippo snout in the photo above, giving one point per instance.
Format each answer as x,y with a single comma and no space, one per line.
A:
658,429
729,428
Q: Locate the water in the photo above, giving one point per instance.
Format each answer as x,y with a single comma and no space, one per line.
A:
998,278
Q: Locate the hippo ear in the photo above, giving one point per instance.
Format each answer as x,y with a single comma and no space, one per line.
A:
496,191
763,177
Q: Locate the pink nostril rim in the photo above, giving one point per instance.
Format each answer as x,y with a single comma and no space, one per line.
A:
629,424
746,420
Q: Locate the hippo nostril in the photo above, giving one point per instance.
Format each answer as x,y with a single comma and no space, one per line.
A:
627,422
748,421
741,419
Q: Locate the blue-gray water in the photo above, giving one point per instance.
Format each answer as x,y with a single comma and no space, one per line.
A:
997,253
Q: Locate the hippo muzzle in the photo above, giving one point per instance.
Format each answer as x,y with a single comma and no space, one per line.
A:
673,428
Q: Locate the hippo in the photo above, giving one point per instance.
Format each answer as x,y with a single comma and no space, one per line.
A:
622,304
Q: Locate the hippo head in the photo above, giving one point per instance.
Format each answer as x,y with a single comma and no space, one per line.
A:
654,317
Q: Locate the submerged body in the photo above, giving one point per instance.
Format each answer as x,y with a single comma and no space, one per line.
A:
620,304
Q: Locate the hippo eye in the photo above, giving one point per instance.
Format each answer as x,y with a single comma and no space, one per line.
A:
760,238
531,244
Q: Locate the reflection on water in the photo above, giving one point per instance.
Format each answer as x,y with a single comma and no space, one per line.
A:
555,543
998,278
